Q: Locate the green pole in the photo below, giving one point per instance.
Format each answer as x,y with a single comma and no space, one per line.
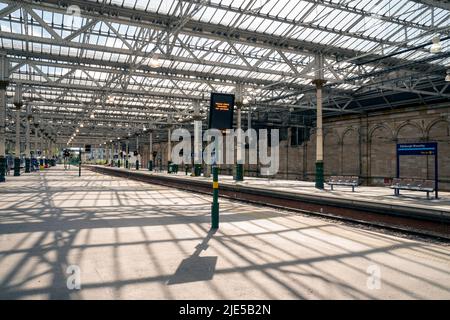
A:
215,203
79,164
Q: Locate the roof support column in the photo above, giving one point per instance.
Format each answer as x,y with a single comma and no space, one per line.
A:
198,138
137,152
118,153
239,170
319,82
169,148
36,140
150,151
27,141
4,82
108,153
18,103
127,154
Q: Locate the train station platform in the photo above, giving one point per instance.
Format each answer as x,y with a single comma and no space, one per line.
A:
135,240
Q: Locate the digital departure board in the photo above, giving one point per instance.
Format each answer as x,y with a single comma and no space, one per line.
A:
221,111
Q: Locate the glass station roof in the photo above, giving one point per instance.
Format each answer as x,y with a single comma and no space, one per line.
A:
142,60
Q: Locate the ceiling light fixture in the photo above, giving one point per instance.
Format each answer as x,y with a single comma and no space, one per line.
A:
436,47
155,62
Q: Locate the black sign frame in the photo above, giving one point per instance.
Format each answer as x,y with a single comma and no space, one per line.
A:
420,149
221,119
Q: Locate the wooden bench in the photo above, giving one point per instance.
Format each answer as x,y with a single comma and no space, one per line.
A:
351,181
412,185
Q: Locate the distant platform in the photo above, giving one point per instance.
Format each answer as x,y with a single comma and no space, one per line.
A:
411,211
362,193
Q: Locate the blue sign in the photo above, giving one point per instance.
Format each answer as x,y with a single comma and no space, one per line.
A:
417,149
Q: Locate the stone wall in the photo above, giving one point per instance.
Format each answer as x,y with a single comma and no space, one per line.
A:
366,146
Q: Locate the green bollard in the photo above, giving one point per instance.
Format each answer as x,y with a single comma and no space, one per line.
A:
137,164
215,203
126,164
27,165
150,165
2,169
319,175
118,163
16,167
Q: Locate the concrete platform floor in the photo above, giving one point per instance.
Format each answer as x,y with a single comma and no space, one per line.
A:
364,193
133,240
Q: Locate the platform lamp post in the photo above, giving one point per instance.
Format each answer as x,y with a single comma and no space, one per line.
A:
4,82
319,82
18,103
239,169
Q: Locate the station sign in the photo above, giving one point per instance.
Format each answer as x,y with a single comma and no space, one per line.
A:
417,149
221,111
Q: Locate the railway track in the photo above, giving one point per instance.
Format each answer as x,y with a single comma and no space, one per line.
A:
405,219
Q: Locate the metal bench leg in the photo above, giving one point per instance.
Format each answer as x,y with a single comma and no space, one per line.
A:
353,188
331,187
428,195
